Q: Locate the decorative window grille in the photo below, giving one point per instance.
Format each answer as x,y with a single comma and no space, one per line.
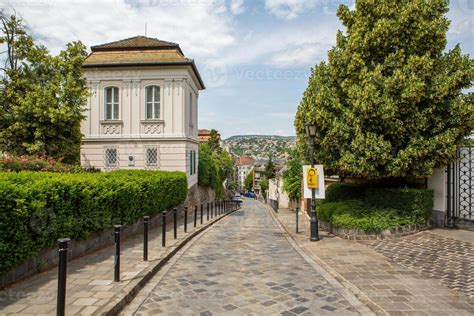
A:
111,157
112,103
152,102
151,157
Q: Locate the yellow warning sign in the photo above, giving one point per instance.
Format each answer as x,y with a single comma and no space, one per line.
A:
312,178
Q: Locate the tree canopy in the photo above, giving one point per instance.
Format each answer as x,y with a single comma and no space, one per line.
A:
390,101
248,181
292,175
215,166
43,96
270,168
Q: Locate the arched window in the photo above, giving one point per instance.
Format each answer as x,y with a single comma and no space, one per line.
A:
152,102
112,103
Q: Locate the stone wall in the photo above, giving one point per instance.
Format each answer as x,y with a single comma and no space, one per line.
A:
360,234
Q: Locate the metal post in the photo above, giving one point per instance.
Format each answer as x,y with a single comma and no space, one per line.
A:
207,213
212,211
185,219
195,215
117,253
163,229
202,212
145,237
297,219
175,223
62,273
314,216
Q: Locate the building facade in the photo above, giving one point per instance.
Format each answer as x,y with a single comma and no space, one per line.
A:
243,166
142,111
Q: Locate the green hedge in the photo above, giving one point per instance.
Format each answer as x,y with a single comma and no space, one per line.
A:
38,208
344,191
369,208
357,214
417,203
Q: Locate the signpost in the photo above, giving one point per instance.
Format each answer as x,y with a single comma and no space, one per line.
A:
314,179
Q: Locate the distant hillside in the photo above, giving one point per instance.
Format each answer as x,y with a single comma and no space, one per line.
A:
260,147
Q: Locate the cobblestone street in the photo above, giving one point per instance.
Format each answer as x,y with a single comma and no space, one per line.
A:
244,266
445,259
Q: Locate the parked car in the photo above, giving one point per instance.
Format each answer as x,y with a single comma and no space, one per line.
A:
237,198
249,195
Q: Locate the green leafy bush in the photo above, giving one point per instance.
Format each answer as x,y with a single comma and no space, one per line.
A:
10,163
357,214
37,208
416,203
344,191
370,208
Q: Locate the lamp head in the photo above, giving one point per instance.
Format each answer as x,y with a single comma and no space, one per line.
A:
310,130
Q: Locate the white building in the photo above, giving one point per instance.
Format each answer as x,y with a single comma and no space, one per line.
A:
243,166
142,107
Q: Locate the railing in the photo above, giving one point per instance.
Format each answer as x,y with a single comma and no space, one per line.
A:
217,207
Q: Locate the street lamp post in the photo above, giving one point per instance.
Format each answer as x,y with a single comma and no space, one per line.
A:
311,133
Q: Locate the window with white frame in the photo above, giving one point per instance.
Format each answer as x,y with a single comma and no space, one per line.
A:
151,157
152,102
111,103
111,157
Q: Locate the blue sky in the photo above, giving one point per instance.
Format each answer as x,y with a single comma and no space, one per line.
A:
255,56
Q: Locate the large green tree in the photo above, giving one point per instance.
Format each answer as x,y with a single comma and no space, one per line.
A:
390,101
43,96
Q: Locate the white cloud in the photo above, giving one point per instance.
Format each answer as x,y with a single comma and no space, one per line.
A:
304,54
288,9
202,28
237,7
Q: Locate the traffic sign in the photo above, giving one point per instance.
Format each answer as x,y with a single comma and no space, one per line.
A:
319,190
312,178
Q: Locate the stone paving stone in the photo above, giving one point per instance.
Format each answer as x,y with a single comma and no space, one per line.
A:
242,266
443,258
90,282
413,280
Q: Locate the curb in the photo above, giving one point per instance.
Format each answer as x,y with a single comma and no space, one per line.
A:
115,306
357,298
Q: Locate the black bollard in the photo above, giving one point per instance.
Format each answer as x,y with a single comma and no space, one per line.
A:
163,230
195,215
207,213
202,212
145,237
297,219
212,211
117,253
62,273
185,219
175,223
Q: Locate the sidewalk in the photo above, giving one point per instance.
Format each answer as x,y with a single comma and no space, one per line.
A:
385,285
90,285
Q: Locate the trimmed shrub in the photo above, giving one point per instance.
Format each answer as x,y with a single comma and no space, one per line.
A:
416,203
357,214
38,208
344,191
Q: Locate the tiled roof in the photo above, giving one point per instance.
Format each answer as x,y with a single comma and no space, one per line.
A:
134,43
204,132
139,51
134,56
243,160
